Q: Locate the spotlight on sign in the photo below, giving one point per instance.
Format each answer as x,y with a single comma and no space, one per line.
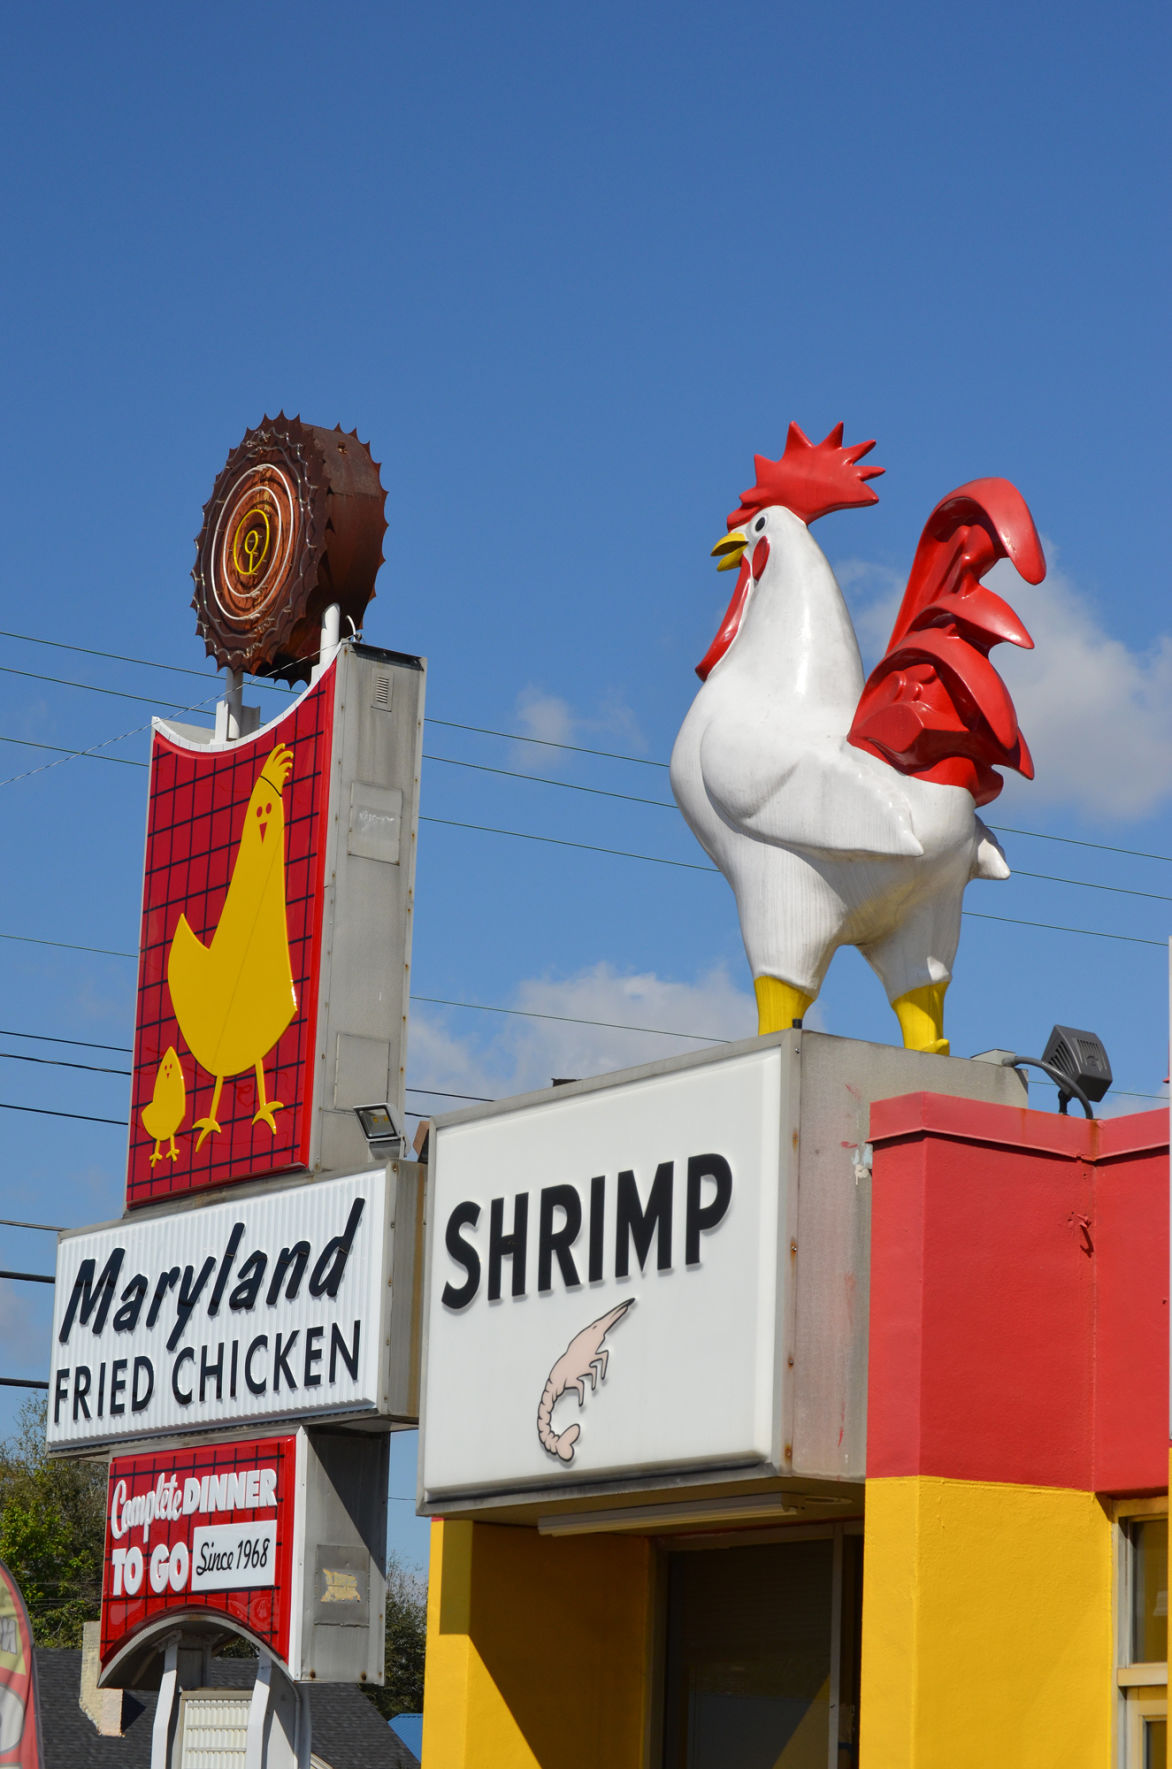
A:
1076,1062
1078,1057
382,1126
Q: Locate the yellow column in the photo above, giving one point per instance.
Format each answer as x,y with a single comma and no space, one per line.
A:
987,1627
538,1650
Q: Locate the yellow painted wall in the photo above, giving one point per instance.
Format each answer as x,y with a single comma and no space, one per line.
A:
538,1650
987,1627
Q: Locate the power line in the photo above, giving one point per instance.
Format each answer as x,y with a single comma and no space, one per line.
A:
1056,928
56,748
67,946
91,688
540,780
579,749
48,1112
480,1099
19,1056
149,663
568,1019
558,841
112,656
429,1092
1089,884
1074,842
50,1228
660,804
81,1043
479,730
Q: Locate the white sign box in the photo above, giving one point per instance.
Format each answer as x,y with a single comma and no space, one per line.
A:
605,1284
269,1307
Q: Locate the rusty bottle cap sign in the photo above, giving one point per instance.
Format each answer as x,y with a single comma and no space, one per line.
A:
295,521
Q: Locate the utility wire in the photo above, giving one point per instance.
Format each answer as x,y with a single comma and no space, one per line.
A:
541,780
1055,927
479,730
1074,842
19,1056
480,1099
56,748
1089,884
1085,884
47,1112
106,743
91,688
81,1043
429,1092
557,841
68,946
579,749
50,1228
567,1019
111,656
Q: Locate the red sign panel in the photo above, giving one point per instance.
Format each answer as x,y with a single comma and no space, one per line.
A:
201,1529
20,1727
229,956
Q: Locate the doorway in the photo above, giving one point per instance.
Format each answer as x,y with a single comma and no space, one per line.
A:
762,1652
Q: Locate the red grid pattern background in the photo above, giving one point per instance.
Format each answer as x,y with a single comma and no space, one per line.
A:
266,1610
198,801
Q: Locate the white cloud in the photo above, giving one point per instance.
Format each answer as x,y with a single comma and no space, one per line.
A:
550,719
449,1049
544,716
1097,714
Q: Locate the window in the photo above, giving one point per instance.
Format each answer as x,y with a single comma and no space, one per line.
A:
1142,1633
762,1664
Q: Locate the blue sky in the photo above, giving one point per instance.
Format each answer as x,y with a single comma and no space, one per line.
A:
568,270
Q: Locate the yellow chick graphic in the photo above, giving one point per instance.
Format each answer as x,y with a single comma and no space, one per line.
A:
234,997
162,1118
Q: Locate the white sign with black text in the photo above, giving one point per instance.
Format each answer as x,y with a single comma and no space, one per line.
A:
606,1283
265,1307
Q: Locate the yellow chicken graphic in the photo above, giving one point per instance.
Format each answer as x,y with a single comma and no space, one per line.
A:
234,997
162,1118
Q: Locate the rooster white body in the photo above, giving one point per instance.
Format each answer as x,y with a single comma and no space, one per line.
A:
824,844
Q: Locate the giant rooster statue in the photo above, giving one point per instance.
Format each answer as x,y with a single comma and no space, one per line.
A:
843,812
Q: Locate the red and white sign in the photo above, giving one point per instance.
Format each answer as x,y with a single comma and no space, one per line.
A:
202,1529
230,952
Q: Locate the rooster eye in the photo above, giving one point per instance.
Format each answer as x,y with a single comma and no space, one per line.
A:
759,524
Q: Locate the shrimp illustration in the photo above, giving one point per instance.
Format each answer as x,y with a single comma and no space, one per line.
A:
585,1356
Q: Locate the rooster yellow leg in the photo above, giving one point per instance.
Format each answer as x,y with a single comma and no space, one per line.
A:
921,1018
205,1126
265,1108
158,1154
173,1151
778,1005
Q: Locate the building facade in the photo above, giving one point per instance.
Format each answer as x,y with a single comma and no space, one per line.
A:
954,1551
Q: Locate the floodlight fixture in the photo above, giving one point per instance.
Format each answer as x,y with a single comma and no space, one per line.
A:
1075,1060
382,1126
1080,1058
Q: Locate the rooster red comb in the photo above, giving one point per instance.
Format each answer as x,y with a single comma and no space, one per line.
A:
811,478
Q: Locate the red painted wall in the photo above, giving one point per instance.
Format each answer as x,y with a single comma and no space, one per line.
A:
1019,1286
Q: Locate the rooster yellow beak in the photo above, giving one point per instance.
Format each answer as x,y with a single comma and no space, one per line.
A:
729,550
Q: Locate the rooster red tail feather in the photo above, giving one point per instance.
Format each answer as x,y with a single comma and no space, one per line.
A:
934,706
